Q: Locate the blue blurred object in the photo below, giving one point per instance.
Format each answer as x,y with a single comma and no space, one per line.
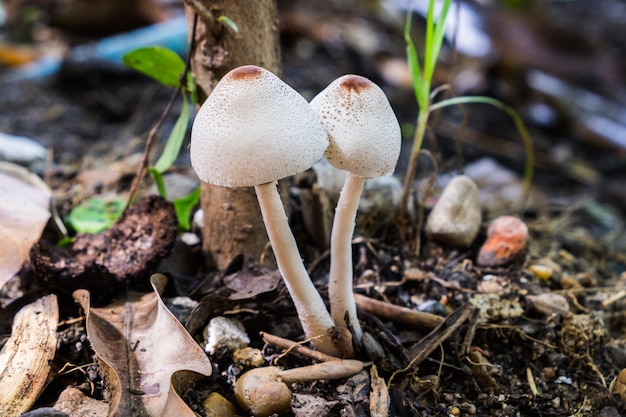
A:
170,34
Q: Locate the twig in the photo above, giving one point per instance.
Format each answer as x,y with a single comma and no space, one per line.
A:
422,349
290,345
614,298
398,314
141,169
200,10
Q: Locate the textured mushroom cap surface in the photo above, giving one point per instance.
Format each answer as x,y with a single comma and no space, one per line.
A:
254,129
363,130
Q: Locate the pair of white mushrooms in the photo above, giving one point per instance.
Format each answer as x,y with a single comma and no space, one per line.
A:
254,130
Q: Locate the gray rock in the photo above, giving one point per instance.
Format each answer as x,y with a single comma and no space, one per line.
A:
456,217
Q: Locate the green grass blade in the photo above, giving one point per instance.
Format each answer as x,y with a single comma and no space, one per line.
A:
428,43
419,87
175,140
519,125
434,48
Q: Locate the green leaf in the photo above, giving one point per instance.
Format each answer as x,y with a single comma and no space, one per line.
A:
158,181
175,141
419,86
428,42
183,207
437,40
162,64
96,214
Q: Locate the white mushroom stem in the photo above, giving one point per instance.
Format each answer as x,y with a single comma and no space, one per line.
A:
340,283
311,309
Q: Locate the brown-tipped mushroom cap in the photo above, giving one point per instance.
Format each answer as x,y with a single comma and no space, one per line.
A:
254,129
363,130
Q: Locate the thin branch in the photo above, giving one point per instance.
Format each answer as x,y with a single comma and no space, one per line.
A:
141,169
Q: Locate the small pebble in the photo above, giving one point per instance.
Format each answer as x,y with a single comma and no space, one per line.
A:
547,304
455,411
541,272
570,283
469,408
456,217
248,357
217,406
507,237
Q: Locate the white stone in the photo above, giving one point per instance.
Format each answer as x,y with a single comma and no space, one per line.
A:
225,334
456,217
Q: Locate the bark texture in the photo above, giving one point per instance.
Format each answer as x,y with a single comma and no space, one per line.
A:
232,219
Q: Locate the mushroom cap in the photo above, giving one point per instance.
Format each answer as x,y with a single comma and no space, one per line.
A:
362,128
254,129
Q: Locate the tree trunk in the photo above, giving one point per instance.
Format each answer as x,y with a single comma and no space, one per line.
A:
232,219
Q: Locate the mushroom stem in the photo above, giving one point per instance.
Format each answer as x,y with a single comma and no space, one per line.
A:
338,369
341,274
311,309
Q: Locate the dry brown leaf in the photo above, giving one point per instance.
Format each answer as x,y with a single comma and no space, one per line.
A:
146,355
24,358
24,201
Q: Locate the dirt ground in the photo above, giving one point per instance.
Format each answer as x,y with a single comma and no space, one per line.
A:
514,353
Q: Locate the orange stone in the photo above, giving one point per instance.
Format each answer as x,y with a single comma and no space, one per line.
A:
507,237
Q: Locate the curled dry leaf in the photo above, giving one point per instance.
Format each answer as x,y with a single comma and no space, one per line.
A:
145,354
24,359
24,201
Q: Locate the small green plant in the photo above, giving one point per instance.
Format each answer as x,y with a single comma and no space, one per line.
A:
166,67
422,74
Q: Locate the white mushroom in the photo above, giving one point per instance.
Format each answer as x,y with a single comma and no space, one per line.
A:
252,131
365,138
